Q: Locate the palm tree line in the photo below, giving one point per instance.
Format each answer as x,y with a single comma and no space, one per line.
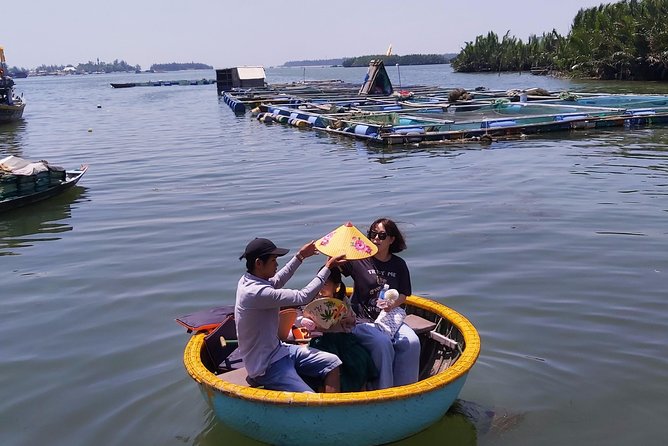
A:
627,40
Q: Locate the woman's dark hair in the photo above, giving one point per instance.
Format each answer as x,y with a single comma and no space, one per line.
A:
392,230
335,278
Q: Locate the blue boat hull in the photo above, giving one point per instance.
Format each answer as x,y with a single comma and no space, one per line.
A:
350,425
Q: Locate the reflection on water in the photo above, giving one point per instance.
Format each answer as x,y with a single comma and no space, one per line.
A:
620,87
389,154
23,227
463,425
11,138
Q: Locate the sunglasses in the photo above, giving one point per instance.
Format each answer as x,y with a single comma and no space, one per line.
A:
380,235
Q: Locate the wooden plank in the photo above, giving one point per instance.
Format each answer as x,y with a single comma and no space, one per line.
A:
419,324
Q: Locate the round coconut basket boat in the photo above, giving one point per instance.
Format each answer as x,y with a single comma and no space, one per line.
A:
450,346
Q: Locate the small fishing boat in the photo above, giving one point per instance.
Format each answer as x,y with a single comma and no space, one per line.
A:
163,83
540,71
450,346
123,84
21,190
11,105
11,111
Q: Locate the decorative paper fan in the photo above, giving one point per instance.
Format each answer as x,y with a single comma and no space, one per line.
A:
325,312
348,240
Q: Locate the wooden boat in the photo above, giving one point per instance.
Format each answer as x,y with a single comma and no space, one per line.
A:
123,84
11,112
540,71
71,179
11,105
163,83
450,347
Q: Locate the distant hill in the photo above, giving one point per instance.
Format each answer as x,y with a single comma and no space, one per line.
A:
311,63
174,66
90,67
409,59
363,61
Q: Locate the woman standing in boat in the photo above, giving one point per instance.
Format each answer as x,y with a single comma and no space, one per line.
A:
396,357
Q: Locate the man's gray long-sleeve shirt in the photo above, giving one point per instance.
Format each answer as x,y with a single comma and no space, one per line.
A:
256,314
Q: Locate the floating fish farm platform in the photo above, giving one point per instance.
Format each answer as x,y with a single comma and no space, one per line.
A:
430,115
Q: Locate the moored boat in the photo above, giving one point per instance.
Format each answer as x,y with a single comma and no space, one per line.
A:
11,111
540,71
123,84
18,190
163,83
11,105
450,345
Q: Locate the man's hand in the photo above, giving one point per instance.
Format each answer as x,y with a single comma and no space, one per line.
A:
307,250
336,261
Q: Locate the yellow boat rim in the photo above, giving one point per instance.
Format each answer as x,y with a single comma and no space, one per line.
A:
193,363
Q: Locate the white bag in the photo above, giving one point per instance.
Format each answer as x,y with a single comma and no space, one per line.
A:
390,321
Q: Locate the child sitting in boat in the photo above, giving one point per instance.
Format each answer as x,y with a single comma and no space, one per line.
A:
358,367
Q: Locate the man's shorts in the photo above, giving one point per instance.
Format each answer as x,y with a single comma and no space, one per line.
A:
284,373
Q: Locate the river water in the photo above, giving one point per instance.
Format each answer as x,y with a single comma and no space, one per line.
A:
555,247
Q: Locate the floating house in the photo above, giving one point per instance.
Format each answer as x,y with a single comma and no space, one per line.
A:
239,77
417,114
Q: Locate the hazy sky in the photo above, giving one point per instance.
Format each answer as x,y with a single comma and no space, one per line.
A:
226,33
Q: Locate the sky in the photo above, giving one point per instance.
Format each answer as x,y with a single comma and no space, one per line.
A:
225,33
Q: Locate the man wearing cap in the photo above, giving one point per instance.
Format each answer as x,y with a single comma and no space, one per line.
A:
260,295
